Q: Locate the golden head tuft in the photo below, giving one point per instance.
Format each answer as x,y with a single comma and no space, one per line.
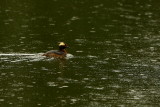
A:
62,44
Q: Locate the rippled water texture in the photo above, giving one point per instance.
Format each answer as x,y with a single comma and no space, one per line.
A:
113,59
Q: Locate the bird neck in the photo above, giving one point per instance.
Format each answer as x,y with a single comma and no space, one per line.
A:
62,48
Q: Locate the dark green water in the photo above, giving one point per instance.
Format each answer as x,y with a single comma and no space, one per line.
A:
113,58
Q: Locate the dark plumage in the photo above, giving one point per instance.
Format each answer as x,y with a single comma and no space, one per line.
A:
61,53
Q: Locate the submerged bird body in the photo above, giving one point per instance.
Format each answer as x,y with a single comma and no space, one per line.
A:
55,53
61,53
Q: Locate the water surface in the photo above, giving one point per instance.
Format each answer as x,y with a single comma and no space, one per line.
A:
113,58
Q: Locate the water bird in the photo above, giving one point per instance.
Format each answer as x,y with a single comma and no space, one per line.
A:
61,53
